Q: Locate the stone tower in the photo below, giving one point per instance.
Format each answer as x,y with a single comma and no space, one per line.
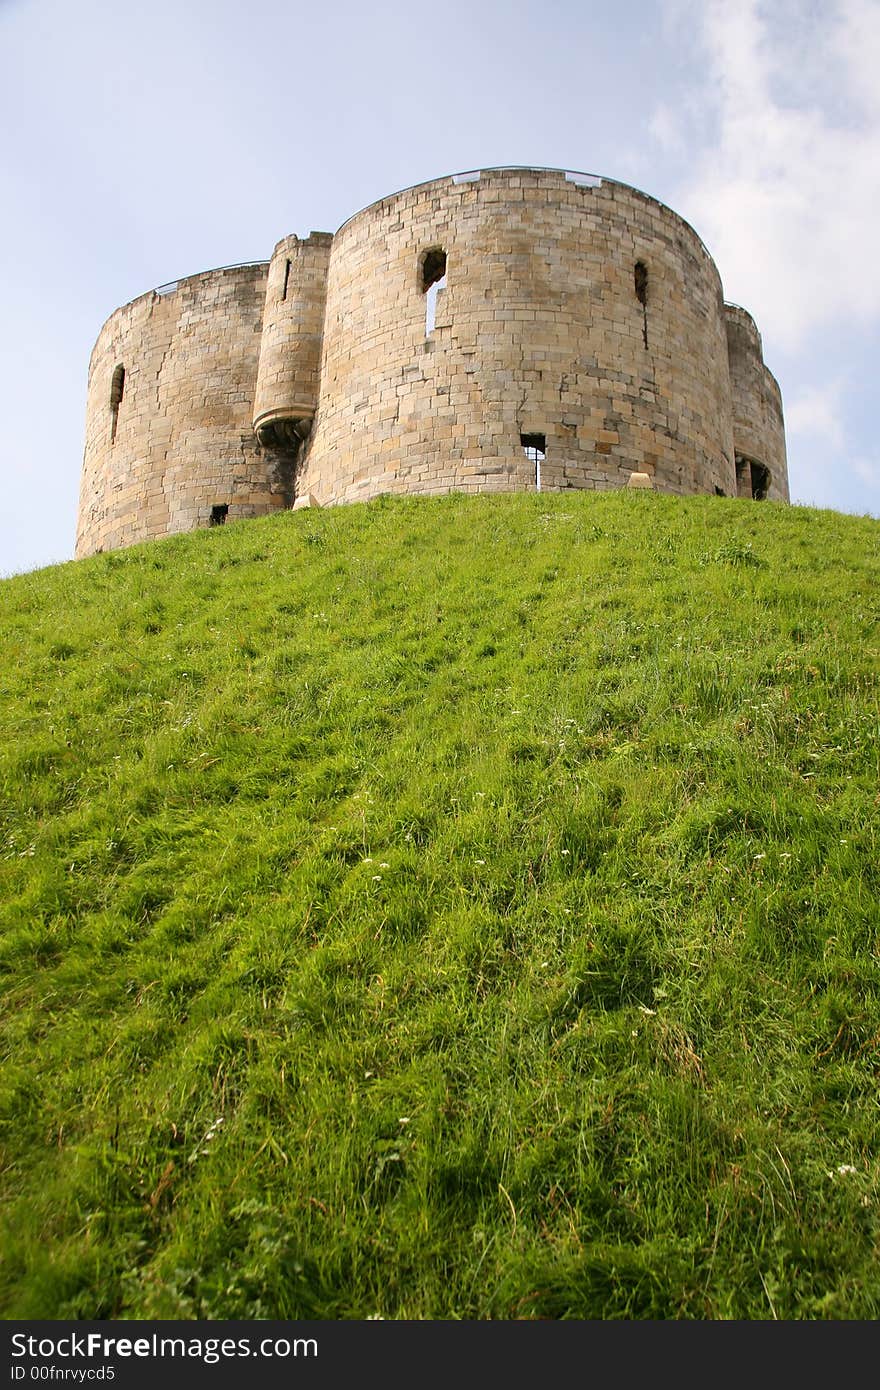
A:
502,330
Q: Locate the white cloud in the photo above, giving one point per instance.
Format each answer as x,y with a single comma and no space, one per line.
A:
822,475
828,460
787,191
818,414
868,469
665,128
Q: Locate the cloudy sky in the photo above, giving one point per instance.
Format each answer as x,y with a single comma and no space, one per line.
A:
142,143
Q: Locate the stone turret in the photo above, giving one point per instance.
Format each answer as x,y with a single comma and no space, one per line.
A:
289,372
758,429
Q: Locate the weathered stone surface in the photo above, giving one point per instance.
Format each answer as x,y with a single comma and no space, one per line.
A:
758,429
184,439
580,312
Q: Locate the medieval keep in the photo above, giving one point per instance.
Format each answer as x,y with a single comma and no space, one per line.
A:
501,330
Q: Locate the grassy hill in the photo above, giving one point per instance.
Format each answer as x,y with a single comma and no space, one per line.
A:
457,908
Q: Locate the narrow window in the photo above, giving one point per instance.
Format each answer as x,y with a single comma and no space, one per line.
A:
286,279
219,514
117,391
640,276
432,279
535,449
641,279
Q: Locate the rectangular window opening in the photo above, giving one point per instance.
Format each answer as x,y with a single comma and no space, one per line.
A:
286,279
431,304
535,450
219,514
432,277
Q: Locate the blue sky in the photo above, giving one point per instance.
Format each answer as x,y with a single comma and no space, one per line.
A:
144,143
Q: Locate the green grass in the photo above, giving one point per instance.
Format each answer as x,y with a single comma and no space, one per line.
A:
456,908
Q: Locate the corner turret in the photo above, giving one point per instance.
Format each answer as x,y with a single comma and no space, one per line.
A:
289,371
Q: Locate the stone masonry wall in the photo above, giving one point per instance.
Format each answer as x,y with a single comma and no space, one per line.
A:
540,330
758,429
502,330
184,440
288,378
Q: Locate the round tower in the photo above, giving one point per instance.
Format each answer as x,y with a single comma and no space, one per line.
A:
169,440
505,329
520,328
758,428
289,372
